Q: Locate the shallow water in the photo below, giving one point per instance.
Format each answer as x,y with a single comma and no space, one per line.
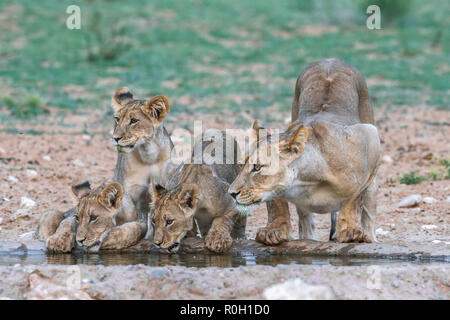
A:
188,260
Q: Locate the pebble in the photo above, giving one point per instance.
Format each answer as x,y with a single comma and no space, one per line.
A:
296,289
396,283
21,213
47,158
31,173
1,220
387,159
27,236
448,199
429,200
13,179
78,163
27,203
86,137
436,241
159,273
381,231
429,227
410,201
2,150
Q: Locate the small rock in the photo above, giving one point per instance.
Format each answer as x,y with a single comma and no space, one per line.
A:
8,246
410,201
436,241
31,173
13,179
448,199
429,200
396,283
159,273
27,203
1,220
47,158
86,137
78,163
298,290
2,150
28,236
429,227
43,287
428,156
21,213
382,232
387,159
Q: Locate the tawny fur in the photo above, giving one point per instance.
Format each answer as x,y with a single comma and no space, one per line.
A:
144,157
329,157
197,201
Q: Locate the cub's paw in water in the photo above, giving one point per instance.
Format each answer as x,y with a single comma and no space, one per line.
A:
352,235
272,235
218,241
61,242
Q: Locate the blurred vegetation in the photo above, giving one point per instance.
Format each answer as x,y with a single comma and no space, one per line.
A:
412,178
242,55
437,174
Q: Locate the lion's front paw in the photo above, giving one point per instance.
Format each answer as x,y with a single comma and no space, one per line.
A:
60,243
352,235
272,236
218,241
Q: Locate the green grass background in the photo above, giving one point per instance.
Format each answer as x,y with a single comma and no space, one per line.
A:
209,48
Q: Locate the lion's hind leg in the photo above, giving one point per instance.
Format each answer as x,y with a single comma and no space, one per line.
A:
306,225
369,210
349,228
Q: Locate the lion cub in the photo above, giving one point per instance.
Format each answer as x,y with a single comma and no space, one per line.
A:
196,202
198,205
144,156
97,222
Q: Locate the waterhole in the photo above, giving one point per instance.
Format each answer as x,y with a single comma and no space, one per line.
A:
189,260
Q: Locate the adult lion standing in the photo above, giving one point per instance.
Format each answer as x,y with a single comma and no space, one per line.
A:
328,158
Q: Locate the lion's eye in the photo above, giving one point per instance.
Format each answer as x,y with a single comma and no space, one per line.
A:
133,121
116,119
92,218
257,167
169,222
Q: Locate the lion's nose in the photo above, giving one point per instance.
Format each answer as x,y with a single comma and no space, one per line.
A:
80,241
117,138
234,194
158,243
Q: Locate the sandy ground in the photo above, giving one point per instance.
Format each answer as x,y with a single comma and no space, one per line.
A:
393,281
75,148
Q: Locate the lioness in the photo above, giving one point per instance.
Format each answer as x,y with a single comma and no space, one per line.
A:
144,156
196,201
328,157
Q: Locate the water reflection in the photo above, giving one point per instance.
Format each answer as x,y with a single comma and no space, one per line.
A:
187,260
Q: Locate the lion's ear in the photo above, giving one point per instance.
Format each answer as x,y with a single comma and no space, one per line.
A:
188,198
111,195
121,97
296,142
157,108
82,189
156,192
253,132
